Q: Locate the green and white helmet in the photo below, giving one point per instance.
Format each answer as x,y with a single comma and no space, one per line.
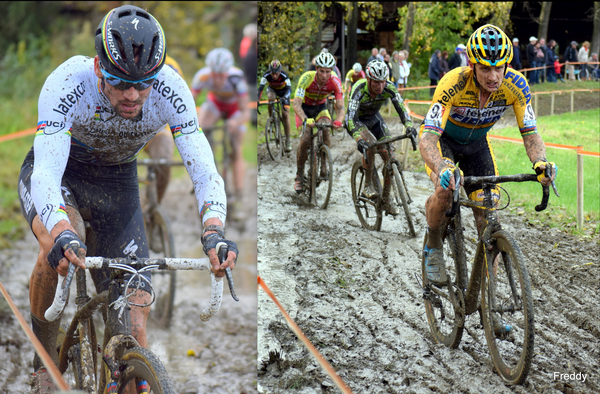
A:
325,60
377,70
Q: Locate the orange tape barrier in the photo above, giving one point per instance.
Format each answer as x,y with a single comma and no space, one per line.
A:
326,366
57,377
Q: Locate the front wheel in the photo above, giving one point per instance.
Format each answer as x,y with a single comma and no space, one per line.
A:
402,198
142,365
507,309
324,177
271,139
445,306
369,211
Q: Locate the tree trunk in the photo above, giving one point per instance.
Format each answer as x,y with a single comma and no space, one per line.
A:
544,19
595,48
410,21
316,47
352,44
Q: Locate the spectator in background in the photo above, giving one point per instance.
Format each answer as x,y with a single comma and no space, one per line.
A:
389,64
541,58
249,57
444,64
454,60
404,69
594,68
382,53
583,56
550,74
532,59
396,68
434,70
374,55
571,57
557,69
464,59
516,60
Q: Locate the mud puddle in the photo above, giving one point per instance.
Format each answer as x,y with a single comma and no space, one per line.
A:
218,356
354,294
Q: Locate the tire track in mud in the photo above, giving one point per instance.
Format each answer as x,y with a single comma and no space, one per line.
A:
354,294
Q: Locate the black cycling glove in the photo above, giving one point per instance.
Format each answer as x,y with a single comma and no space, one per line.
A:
210,241
411,130
65,241
362,146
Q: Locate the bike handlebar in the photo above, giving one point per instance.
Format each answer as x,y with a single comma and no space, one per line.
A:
493,179
412,137
216,295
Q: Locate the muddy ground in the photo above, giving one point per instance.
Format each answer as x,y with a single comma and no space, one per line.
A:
354,294
223,350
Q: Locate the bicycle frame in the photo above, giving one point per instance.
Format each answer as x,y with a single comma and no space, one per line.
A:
491,225
313,151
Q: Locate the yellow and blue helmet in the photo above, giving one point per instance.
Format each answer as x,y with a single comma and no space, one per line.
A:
489,46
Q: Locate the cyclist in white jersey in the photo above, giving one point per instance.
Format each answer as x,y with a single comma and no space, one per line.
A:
227,99
95,116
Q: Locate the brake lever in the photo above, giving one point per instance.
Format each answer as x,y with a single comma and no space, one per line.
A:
548,173
222,251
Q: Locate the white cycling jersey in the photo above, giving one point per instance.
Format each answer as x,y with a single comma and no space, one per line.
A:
77,120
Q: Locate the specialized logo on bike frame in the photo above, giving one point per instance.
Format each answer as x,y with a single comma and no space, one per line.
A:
169,93
70,99
184,129
47,127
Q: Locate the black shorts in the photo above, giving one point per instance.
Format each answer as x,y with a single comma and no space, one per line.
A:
474,159
108,199
284,94
374,123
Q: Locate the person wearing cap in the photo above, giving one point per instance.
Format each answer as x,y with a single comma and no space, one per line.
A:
455,59
571,57
464,59
516,62
532,59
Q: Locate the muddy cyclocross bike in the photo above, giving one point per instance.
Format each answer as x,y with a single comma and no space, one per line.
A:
499,272
319,182
124,362
274,135
160,240
370,210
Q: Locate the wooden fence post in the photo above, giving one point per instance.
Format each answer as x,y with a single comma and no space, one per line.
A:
579,187
572,101
552,105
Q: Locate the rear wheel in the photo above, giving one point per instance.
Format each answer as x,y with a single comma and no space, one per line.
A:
324,177
507,309
280,136
140,364
160,237
369,211
402,198
445,307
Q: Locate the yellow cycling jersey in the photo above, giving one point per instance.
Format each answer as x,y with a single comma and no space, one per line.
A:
455,106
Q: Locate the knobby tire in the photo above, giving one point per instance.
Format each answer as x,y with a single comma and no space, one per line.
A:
144,365
369,211
507,296
323,185
399,187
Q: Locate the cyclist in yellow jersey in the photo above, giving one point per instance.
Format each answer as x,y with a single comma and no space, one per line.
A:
356,73
161,146
466,104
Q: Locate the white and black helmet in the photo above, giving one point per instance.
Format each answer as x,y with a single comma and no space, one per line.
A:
357,67
325,60
377,70
219,60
